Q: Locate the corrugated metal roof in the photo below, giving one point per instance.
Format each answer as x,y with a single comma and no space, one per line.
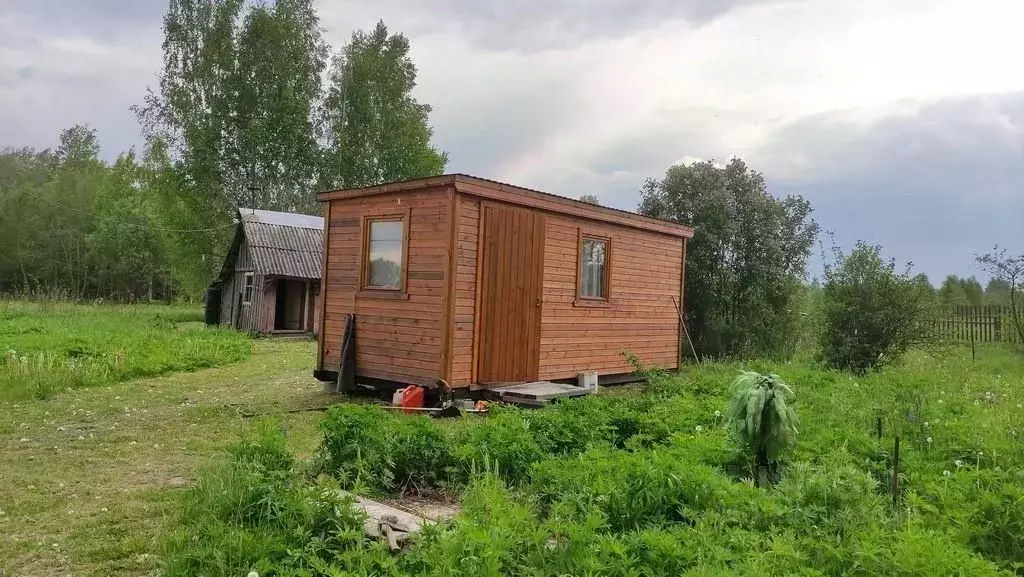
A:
283,243
291,219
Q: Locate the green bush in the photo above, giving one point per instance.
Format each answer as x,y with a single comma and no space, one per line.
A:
871,314
255,512
368,446
502,442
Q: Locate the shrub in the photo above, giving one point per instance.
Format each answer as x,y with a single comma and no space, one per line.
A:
255,512
367,446
871,314
502,441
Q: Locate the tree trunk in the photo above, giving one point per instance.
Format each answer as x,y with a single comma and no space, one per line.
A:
761,466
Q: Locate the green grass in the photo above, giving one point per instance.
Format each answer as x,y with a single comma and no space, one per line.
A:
45,347
132,478
650,482
90,479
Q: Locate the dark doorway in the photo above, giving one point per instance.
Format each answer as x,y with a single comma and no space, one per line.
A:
291,302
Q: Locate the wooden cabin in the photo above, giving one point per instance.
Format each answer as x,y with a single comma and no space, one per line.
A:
479,283
270,280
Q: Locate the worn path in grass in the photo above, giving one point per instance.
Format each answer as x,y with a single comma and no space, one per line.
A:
88,477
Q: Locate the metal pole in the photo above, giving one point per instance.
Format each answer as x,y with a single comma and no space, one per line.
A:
679,313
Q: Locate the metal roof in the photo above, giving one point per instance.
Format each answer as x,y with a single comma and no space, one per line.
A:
284,243
291,219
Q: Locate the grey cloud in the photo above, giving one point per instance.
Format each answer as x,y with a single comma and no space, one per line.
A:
483,133
530,25
935,187
99,18
616,171
526,24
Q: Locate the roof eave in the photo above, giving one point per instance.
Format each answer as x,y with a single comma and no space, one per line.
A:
500,191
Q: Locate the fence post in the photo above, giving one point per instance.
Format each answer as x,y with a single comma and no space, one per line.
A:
896,474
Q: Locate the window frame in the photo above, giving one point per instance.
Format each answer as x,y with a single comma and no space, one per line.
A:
248,287
365,289
606,277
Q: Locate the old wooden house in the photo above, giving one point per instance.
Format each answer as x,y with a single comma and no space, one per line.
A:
479,282
270,280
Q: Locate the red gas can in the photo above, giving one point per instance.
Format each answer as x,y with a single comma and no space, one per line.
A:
412,398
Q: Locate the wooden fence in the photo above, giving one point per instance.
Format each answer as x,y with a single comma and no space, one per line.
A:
980,324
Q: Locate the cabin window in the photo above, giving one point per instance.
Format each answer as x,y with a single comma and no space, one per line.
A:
595,262
247,293
384,253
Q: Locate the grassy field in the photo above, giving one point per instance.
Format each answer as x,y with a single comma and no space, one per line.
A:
46,347
89,478
647,482
140,476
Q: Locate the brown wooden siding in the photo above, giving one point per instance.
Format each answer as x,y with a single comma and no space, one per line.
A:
461,372
398,339
639,316
646,271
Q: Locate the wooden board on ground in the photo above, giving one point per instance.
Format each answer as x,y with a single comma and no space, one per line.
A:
395,525
538,393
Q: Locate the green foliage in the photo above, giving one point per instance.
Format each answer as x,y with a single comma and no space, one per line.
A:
74,226
1008,270
45,347
871,314
645,482
376,130
961,291
366,446
254,512
503,442
761,414
746,260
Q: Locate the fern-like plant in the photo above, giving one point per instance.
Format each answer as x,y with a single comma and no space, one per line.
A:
760,412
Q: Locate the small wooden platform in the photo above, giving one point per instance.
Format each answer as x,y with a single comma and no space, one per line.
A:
536,394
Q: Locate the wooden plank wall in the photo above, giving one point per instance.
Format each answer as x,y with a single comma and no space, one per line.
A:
314,308
251,314
461,372
399,340
640,317
228,296
267,305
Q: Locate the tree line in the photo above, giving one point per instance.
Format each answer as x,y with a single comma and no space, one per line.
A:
251,109
747,293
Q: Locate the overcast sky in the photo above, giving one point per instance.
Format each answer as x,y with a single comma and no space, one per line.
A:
899,119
